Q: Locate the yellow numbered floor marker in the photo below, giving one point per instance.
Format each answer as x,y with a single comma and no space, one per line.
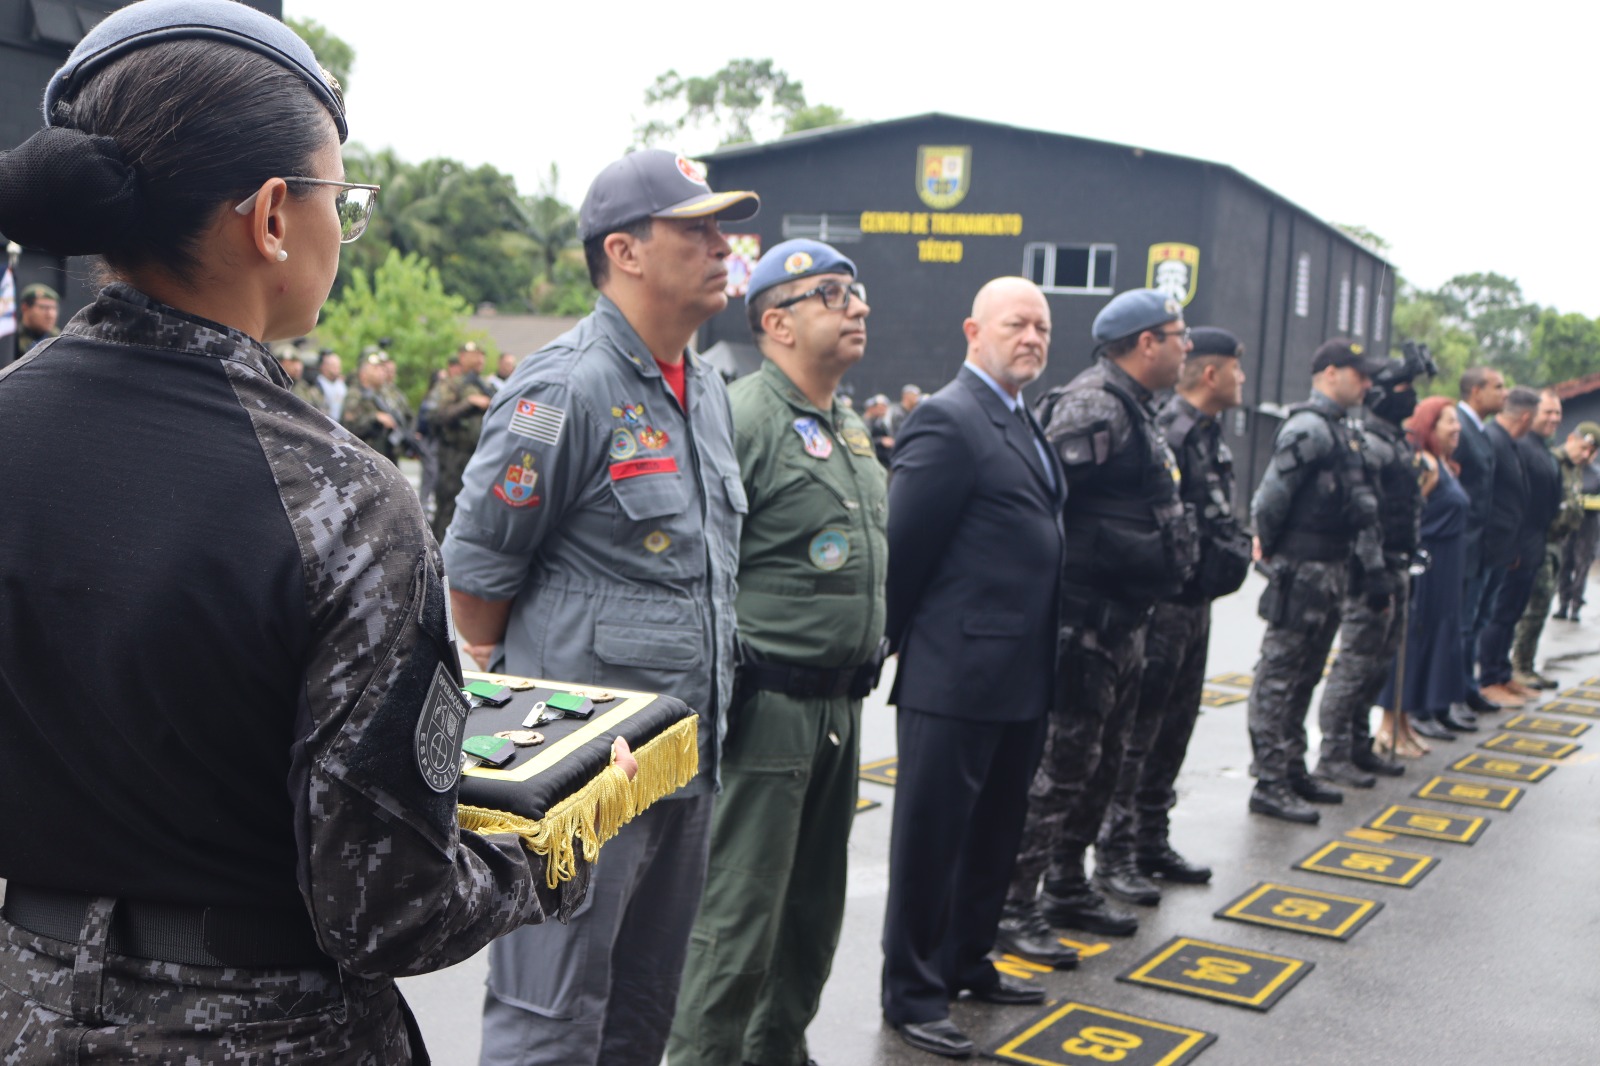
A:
1244,978
1302,910
1020,968
1583,693
864,804
1430,824
883,771
1470,793
1521,744
1365,862
1232,680
1499,766
1216,697
1556,727
1076,1033
1588,710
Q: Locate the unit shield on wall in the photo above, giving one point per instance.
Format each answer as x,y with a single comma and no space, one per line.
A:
1174,269
944,174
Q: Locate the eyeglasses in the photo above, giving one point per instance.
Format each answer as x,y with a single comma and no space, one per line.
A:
835,296
354,203
1186,334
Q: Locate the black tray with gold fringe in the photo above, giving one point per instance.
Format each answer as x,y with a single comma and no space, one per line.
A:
565,796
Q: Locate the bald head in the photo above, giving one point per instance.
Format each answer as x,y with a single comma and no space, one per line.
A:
1008,335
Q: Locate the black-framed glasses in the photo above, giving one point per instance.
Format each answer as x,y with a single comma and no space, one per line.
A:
354,203
1186,334
835,295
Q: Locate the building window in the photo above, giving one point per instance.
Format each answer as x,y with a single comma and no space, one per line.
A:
834,229
1302,286
1377,319
1344,304
1082,268
1360,323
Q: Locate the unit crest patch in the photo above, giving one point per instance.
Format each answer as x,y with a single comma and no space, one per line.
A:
516,488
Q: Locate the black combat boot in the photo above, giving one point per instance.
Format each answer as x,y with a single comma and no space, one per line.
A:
1344,772
1023,931
1373,763
1277,800
1070,902
1158,859
1119,876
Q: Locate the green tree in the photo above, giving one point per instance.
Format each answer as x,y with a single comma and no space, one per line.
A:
1419,317
403,300
746,98
1492,308
1565,346
466,221
551,223
332,51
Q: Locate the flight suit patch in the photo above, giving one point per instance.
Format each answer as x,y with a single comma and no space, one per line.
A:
516,488
438,734
623,446
639,467
856,439
538,421
816,442
829,549
657,542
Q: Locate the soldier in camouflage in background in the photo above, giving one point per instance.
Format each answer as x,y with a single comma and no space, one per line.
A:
457,420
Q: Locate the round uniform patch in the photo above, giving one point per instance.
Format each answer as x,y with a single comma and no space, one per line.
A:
657,542
829,549
623,446
798,263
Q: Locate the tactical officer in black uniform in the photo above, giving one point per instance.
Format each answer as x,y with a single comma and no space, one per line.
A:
1369,637
1210,383
1314,507
1130,542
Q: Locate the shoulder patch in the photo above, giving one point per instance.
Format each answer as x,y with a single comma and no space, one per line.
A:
538,421
438,736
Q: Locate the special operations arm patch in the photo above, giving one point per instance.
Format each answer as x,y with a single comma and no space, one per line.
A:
438,734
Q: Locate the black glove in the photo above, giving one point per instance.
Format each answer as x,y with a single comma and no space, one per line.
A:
1379,588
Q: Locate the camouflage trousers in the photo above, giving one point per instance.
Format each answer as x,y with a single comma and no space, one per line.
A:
1577,556
1293,655
1175,645
452,464
1530,627
1097,692
80,1003
1369,642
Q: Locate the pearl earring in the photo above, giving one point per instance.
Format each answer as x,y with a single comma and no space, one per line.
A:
282,255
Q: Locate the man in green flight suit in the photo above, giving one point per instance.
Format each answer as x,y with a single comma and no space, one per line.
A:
812,561
458,420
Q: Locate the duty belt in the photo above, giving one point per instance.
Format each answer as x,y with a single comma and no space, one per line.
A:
812,682
192,936
1314,547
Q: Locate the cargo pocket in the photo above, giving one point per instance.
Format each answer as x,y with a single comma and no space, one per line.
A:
649,537
648,647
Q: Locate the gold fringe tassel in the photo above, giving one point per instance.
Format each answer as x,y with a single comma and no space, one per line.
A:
597,811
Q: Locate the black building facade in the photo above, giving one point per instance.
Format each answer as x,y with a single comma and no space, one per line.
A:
931,207
35,38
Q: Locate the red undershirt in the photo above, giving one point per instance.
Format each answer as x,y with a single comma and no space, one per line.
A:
672,373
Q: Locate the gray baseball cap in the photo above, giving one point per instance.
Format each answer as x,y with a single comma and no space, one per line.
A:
654,183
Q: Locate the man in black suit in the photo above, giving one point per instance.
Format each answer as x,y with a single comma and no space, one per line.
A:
1483,394
1510,581
975,548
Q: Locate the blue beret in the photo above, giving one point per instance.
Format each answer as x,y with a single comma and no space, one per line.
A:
156,21
1133,312
799,258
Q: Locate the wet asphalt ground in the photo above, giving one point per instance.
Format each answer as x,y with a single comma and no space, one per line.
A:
1489,958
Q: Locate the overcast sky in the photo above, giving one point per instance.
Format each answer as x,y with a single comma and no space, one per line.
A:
1461,135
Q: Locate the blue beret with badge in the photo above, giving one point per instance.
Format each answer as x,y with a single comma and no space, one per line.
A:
1133,312
799,258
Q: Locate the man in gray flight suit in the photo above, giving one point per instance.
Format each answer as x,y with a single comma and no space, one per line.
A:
812,563
596,539
1314,508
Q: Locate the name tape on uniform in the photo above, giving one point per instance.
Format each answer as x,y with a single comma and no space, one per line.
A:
1364,862
1244,978
1302,910
883,771
1500,766
1522,744
1078,1033
1554,727
1430,824
1470,793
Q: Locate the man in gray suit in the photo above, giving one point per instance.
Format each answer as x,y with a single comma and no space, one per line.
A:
975,548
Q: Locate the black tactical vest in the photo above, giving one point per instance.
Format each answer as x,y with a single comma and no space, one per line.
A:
1335,502
1224,547
1133,538
1393,463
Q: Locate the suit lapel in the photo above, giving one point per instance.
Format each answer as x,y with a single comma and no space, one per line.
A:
1011,427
